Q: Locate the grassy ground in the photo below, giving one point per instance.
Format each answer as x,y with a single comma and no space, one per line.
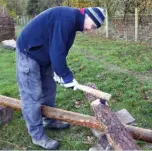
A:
120,68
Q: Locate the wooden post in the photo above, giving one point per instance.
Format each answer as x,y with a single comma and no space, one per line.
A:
20,21
27,19
136,24
17,20
3,9
23,20
126,33
107,24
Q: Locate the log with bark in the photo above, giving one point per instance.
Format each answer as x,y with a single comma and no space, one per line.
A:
59,114
118,136
88,96
78,119
137,132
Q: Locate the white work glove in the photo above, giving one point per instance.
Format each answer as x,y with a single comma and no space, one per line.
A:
62,83
71,85
58,79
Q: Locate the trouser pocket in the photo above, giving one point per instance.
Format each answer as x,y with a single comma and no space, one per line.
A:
29,78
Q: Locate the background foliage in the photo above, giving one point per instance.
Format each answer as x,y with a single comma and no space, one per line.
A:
117,7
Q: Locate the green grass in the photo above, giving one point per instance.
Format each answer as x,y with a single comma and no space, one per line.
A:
128,55
88,59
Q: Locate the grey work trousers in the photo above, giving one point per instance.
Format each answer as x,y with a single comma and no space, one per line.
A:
36,87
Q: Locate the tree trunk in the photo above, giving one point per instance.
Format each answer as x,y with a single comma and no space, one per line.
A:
118,136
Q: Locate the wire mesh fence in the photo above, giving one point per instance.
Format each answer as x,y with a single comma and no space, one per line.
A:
23,20
119,27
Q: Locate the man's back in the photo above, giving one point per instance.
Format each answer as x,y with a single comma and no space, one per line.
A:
41,30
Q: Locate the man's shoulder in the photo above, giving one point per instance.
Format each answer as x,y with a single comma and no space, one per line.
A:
63,8
64,11
65,15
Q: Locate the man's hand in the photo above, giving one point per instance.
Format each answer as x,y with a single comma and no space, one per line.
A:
60,80
71,85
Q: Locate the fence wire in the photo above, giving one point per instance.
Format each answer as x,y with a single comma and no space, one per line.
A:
119,28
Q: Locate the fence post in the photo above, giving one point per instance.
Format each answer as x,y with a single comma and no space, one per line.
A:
27,19
20,21
107,33
24,20
17,20
3,9
126,34
136,24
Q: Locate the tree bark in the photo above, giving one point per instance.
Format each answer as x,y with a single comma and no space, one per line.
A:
118,136
74,118
140,133
71,117
88,96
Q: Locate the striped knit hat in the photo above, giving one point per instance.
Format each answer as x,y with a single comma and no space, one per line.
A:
97,14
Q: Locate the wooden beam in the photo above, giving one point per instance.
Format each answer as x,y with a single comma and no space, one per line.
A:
67,116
